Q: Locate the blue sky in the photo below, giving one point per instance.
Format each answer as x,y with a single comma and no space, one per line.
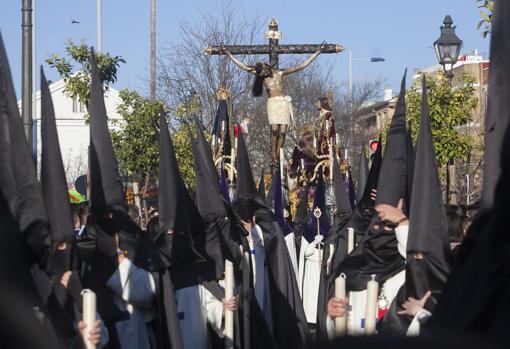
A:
401,31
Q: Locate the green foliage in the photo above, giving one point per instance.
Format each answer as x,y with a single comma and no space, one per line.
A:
136,140
485,23
450,110
184,155
78,83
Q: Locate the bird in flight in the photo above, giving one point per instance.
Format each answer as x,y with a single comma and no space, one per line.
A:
73,21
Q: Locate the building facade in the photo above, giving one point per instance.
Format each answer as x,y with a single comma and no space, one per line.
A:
72,128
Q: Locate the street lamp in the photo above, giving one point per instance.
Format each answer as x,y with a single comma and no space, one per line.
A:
371,60
447,49
448,46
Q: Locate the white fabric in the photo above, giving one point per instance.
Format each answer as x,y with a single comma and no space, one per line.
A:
135,290
279,110
196,307
309,276
357,301
290,241
414,327
401,232
260,277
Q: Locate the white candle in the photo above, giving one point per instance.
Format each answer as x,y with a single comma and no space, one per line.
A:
89,315
350,239
246,289
327,125
213,141
223,126
281,164
340,322
315,142
337,136
302,164
229,314
371,306
346,155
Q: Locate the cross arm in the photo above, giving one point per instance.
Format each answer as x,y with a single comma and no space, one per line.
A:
265,49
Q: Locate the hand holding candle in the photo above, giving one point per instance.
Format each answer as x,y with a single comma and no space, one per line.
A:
340,321
89,316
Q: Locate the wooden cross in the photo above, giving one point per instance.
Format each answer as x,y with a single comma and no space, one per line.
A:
273,49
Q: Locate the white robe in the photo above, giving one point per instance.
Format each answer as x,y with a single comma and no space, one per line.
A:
309,277
134,290
196,307
260,277
290,241
357,299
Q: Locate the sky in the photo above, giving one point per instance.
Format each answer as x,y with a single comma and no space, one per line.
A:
401,31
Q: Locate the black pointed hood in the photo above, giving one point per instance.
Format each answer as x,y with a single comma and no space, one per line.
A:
428,229
112,191
362,172
321,225
392,184
174,198
278,203
246,200
245,186
53,182
341,197
18,180
222,116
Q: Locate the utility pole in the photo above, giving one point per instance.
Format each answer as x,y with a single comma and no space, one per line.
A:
153,51
26,81
99,4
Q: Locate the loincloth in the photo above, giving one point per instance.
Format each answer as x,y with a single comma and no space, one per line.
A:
279,110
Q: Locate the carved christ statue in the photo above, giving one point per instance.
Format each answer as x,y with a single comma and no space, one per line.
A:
279,106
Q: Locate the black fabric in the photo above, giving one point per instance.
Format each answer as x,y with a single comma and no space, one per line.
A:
212,204
341,198
482,263
222,115
245,186
54,184
362,172
19,184
428,230
290,328
392,185
321,225
100,140
277,200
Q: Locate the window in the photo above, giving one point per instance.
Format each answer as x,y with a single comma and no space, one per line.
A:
78,106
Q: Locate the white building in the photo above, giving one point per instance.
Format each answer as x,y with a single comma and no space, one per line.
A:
73,131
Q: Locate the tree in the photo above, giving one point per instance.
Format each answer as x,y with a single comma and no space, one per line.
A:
456,136
136,140
451,110
487,7
77,84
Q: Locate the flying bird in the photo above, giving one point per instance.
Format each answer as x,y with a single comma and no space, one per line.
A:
73,21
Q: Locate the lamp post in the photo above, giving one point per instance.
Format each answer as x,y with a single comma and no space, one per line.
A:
447,49
371,60
448,46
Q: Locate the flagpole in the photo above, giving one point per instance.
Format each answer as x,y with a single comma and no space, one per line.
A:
99,25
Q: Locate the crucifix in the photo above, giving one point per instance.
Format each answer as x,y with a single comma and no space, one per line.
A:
268,75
